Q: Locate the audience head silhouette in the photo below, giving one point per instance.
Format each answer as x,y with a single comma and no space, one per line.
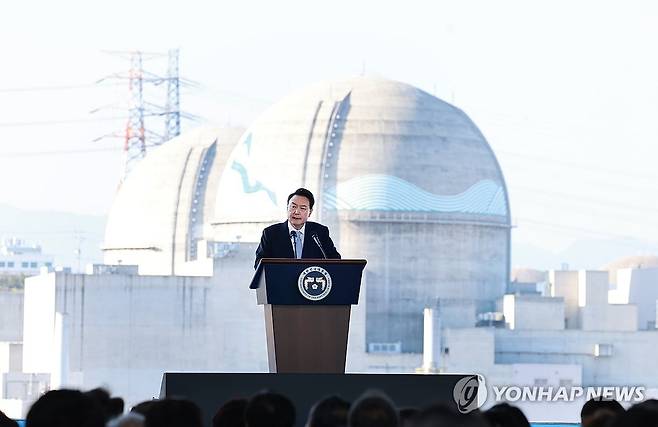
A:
505,415
65,408
598,410
407,416
231,414
329,412
373,409
443,415
644,414
5,421
173,413
269,410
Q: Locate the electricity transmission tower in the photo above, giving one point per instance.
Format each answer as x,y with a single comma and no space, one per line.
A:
139,134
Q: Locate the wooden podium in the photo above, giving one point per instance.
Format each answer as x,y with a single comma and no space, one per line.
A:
307,311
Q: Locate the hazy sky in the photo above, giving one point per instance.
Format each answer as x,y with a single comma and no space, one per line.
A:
565,92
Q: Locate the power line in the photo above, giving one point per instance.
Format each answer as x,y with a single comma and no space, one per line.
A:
52,88
37,232
58,122
588,231
599,215
81,120
550,161
586,200
206,90
60,152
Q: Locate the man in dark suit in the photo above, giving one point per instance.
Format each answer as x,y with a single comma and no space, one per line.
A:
296,237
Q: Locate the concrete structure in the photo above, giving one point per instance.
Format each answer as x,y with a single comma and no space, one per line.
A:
125,330
11,315
11,357
603,346
606,358
592,288
533,312
106,329
17,257
609,317
564,284
591,305
17,389
638,286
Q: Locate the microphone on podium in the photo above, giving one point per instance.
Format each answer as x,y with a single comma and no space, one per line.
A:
316,239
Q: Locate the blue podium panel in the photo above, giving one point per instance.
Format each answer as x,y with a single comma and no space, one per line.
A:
280,281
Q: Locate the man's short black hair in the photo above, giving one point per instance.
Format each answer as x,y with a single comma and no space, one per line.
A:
304,193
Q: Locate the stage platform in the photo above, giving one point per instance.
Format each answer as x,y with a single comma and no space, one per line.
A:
211,390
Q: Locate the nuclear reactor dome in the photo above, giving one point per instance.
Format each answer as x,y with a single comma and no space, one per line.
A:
160,209
402,179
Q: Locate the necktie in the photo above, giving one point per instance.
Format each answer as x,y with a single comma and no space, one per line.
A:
298,244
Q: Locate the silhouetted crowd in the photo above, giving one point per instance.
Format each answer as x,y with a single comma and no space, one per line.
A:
96,408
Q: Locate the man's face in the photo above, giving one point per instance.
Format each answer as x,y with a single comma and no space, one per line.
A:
298,211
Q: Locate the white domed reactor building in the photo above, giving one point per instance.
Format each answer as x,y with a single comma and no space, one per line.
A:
402,179
161,212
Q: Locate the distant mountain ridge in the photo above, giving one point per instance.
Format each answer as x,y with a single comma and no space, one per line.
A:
591,254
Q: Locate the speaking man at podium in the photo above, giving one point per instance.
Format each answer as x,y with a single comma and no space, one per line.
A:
297,237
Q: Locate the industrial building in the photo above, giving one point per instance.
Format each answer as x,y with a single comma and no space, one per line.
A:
18,257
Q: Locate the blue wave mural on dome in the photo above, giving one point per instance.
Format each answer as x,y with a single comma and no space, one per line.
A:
249,185
390,193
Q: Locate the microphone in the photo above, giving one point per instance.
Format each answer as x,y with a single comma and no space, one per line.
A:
293,236
316,239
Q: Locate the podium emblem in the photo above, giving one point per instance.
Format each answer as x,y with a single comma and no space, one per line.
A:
314,283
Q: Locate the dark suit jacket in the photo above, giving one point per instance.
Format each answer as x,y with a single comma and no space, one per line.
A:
276,242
